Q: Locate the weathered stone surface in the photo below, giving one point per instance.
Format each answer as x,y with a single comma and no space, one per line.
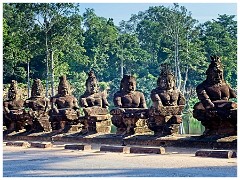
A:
215,153
41,145
147,150
75,128
121,149
83,147
94,103
217,114
65,109
18,143
39,106
234,155
168,104
15,117
130,107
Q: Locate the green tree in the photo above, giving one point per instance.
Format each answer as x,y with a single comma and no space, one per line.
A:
220,38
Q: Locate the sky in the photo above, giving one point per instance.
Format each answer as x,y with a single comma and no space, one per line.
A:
123,11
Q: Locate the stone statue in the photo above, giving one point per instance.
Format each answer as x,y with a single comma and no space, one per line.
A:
168,103
217,114
64,113
95,105
92,96
39,108
130,108
14,115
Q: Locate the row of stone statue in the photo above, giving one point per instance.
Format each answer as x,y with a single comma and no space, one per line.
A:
130,115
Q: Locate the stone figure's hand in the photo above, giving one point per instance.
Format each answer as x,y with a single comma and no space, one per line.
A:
8,111
119,104
56,110
209,104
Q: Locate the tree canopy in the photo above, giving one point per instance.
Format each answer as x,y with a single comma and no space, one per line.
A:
56,39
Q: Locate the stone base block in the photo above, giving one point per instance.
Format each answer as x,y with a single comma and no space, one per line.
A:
147,150
75,128
18,144
78,147
41,145
121,149
215,153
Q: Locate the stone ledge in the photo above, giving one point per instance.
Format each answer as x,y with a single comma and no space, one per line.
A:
18,144
227,143
41,145
147,150
78,147
216,153
121,149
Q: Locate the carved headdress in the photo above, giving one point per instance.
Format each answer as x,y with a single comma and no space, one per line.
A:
215,71
165,74
13,90
92,80
37,88
126,78
216,64
63,84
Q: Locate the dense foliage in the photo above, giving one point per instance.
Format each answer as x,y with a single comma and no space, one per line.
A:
55,39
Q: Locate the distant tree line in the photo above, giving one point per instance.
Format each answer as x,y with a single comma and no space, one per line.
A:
52,39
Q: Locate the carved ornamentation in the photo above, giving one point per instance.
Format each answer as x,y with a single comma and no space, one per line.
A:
217,114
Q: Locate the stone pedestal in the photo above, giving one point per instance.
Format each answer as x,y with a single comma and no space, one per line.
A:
66,119
96,120
221,120
130,120
165,120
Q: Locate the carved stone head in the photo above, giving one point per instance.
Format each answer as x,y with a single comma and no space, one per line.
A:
166,80
128,83
215,71
37,88
13,90
91,83
63,87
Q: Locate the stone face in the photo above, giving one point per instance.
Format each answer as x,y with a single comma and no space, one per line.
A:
147,150
217,114
95,104
168,104
39,108
41,145
64,112
78,147
121,149
130,113
15,117
215,153
18,143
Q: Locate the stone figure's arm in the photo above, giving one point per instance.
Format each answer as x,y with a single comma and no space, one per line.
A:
53,105
117,100
75,104
156,99
104,102
203,97
142,101
181,99
83,102
232,93
47,105
5,107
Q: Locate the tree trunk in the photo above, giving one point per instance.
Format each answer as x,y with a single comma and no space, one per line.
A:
28,78
185,81
52,73
47,54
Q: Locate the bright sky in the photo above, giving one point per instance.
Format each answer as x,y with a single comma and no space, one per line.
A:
123,11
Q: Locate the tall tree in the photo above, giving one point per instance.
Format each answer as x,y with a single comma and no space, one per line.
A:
220,38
